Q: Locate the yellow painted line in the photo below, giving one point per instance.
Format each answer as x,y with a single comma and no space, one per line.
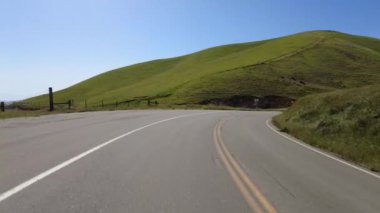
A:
254,189
240,172
242,188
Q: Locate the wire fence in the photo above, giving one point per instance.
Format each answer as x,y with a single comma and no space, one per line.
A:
81,104
213,98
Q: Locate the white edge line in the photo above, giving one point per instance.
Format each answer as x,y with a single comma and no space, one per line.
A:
268,123
46,173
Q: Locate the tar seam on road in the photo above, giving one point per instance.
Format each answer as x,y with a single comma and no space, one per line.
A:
253,196
46,173
321,152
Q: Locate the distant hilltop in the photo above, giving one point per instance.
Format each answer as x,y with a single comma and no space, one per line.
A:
269,73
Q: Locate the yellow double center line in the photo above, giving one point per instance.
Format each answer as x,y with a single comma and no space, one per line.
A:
255,199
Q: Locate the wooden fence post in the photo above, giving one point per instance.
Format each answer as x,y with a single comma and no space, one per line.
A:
69,103
51,101
2,106
85,104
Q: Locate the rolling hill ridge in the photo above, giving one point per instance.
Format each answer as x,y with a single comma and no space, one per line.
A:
269,73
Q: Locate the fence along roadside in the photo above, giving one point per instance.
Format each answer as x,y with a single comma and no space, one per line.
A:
51,106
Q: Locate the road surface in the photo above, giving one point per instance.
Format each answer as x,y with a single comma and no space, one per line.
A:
171,161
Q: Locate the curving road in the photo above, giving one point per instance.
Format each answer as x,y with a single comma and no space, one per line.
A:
172,161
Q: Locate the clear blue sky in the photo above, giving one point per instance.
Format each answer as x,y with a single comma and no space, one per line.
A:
61,42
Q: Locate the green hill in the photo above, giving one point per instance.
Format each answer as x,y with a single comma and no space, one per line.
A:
275,71
346,122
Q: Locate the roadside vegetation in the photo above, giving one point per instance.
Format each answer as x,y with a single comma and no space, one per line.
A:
346,122
21,113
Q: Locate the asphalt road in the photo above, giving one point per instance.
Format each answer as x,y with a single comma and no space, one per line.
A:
171,161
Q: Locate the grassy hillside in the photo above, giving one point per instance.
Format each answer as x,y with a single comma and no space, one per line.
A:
346,122
291,66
